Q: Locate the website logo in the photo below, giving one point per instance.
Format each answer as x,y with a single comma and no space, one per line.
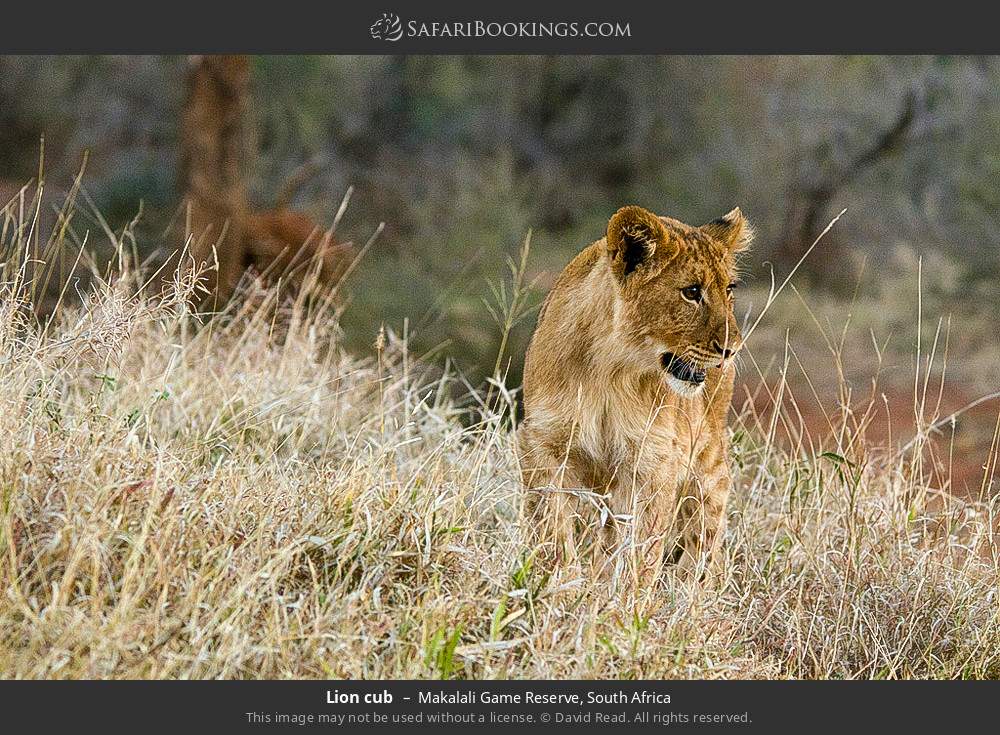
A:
387,28
390,28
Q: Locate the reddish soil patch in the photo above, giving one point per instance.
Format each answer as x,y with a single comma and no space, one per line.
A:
961,452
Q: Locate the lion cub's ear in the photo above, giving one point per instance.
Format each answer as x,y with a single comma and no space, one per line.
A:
732,230
635,237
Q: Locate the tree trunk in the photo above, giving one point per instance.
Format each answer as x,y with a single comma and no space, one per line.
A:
216,158
213,167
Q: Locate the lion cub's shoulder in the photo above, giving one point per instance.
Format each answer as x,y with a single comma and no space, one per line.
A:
575,276
578,269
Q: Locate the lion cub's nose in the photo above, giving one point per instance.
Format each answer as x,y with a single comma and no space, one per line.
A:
726,353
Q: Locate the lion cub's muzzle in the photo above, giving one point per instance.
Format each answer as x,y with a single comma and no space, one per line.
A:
683,370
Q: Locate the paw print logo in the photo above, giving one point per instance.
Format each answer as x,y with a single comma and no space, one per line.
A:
387,28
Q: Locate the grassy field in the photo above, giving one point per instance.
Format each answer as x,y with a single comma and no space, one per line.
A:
242,498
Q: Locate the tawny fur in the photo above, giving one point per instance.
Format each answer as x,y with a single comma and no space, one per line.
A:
603,416
284,243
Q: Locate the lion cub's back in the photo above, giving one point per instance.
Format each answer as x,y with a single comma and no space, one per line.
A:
562,330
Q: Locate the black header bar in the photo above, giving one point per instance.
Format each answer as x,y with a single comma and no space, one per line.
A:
516,26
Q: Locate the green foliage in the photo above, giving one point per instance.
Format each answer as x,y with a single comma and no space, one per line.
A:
440,652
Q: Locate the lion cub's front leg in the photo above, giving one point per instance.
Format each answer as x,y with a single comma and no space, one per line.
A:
652,522
550,506
651,499
701,523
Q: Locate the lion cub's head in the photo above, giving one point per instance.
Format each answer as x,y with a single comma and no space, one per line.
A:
675,285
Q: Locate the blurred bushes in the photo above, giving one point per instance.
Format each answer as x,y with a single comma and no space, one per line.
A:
461,156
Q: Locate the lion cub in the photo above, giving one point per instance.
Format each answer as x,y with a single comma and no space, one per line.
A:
627,383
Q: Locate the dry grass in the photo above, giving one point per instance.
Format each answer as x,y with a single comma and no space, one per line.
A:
244,499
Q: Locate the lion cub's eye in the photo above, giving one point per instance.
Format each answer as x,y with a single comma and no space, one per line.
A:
692,293
730,288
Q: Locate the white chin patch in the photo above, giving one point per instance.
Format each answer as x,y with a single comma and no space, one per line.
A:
682,387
